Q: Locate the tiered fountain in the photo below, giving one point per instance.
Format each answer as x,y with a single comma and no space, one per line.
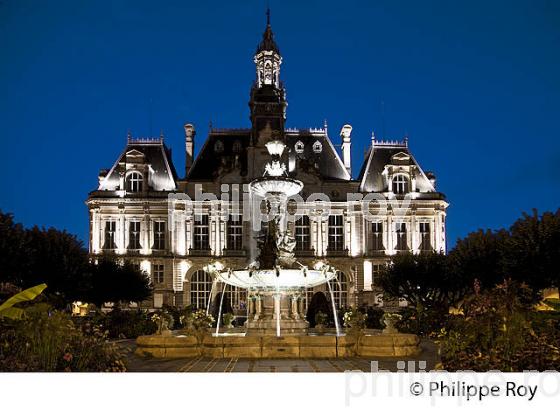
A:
275,281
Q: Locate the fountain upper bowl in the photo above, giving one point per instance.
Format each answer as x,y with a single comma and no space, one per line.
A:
273,280
276,185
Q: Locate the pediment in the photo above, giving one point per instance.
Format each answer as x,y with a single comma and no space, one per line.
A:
134,153
400,157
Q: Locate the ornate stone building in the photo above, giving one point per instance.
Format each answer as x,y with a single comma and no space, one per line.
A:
138,211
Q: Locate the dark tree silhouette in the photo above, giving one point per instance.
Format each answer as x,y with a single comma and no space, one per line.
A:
532,251
424,280
479,256
112,282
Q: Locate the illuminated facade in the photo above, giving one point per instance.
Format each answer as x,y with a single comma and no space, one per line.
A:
391,206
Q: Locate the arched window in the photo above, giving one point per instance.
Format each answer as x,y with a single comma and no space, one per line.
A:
201,284
299,147
134,182
340,290
400,184
237,298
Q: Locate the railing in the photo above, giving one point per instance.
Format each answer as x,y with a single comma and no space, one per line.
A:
234,252
200,252
337,252
304,252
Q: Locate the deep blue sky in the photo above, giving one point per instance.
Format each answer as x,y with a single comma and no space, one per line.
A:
475,84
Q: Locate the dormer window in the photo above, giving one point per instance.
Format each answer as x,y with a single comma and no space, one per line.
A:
219,147
317,147
400,184
134,182
237,147
299,147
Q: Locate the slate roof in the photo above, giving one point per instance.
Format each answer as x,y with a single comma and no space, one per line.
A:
207,163
378,156
330,165
164,176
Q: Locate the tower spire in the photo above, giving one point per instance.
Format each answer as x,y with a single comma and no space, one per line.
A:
267,15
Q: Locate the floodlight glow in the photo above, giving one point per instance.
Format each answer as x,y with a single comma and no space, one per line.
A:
275,147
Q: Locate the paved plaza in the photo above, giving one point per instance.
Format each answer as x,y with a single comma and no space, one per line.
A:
426,360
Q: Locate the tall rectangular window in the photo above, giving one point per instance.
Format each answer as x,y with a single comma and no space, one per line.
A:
376,236
110,231
375,271
134,235
336,232
400,229
302,233
201,232
235,232
159,235
158,273
425,240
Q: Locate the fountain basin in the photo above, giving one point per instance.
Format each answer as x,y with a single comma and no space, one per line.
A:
368,345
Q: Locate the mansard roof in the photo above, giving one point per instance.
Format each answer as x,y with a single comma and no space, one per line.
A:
209,160
327,162
152,152
218,151
385,153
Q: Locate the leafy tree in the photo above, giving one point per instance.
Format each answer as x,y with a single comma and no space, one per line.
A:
59,259
13,250
423,280
532,251
113,282
427,283
37,255
479,256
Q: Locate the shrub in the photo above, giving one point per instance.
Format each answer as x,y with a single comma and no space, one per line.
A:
125,324
354,319
47,340
496,332
176,314
227,319
427,322
373,318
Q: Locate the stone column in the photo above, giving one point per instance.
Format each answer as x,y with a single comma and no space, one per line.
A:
213,221
277,312
295,313
250,307
415,243
389,232
258,307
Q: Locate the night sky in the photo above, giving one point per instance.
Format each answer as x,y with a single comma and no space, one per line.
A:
475,85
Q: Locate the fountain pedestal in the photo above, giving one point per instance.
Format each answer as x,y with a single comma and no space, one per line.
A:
264,322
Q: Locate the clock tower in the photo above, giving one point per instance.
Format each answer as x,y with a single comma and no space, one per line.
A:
268,97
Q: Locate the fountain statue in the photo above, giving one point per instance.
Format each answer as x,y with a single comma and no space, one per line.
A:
275,280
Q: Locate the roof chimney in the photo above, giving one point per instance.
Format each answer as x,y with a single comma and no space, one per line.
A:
345,133
189,147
